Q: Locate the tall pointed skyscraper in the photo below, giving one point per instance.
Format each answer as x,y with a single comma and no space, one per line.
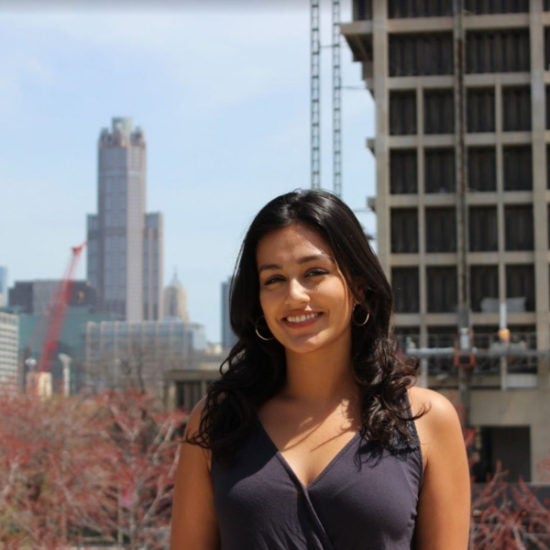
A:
124,242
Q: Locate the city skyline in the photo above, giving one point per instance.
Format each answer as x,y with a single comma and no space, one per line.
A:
223,97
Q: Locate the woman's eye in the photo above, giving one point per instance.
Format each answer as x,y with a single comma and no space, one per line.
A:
273,280
315,272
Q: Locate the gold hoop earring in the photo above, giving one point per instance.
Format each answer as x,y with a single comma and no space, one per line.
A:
355,322
259,334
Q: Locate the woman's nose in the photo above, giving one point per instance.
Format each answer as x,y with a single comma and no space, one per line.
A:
297,292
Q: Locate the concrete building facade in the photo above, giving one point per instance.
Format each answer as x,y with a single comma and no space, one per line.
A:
35,297
3,285
125,253
462,106
9,348
229,338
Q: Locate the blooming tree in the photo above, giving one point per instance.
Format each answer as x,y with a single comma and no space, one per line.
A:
74,468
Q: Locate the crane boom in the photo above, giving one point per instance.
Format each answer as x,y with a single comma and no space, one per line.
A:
56,310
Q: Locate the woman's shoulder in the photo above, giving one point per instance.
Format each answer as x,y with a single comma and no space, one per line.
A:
437,421
430,404
445,484
194,418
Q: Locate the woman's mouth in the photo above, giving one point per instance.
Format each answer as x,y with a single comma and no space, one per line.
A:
303,318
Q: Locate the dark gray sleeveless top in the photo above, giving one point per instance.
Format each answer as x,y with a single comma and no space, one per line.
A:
363,499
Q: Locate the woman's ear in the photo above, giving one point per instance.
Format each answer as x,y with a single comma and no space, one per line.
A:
358,292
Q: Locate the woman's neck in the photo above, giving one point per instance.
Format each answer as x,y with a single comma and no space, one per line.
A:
319,378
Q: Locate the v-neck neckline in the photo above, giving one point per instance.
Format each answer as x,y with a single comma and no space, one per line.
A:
290,470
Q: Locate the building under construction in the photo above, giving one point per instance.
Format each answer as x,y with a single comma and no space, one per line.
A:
462,101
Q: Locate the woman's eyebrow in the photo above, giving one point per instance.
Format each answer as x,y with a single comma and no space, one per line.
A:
303,260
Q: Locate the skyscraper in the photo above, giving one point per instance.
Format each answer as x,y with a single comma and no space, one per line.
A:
124,242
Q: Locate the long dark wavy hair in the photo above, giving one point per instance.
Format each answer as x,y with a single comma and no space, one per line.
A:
255,370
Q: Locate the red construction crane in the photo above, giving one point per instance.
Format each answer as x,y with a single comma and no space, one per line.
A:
56,311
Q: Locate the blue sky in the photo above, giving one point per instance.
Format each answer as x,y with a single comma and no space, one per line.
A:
222,94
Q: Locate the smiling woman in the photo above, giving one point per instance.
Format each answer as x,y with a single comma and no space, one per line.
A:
315,436
304,297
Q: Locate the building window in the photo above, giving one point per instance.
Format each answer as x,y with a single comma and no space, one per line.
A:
442,289
362,10
480,110
483,233
402,113
441,337
482,174
440,230
439,167
420,8
405,289
403,171
497,51
518,168
498,6
439,116
520,285
546,48
485,337
518,227
507,446
483,287
404,230
516,109
420,54
406,337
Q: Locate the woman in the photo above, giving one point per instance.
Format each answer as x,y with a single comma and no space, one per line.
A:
315,436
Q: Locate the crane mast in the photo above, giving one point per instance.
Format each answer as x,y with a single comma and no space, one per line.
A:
336,102
315,101
315,95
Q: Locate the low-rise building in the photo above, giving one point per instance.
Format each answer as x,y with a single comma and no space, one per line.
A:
121,354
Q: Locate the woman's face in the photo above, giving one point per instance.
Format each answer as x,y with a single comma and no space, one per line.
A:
304,296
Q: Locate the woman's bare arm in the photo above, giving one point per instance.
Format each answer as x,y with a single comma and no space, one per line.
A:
194,525
444,507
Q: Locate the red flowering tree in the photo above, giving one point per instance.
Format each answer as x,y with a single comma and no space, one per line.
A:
505,515
75,468
508,516
143,460
49,476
